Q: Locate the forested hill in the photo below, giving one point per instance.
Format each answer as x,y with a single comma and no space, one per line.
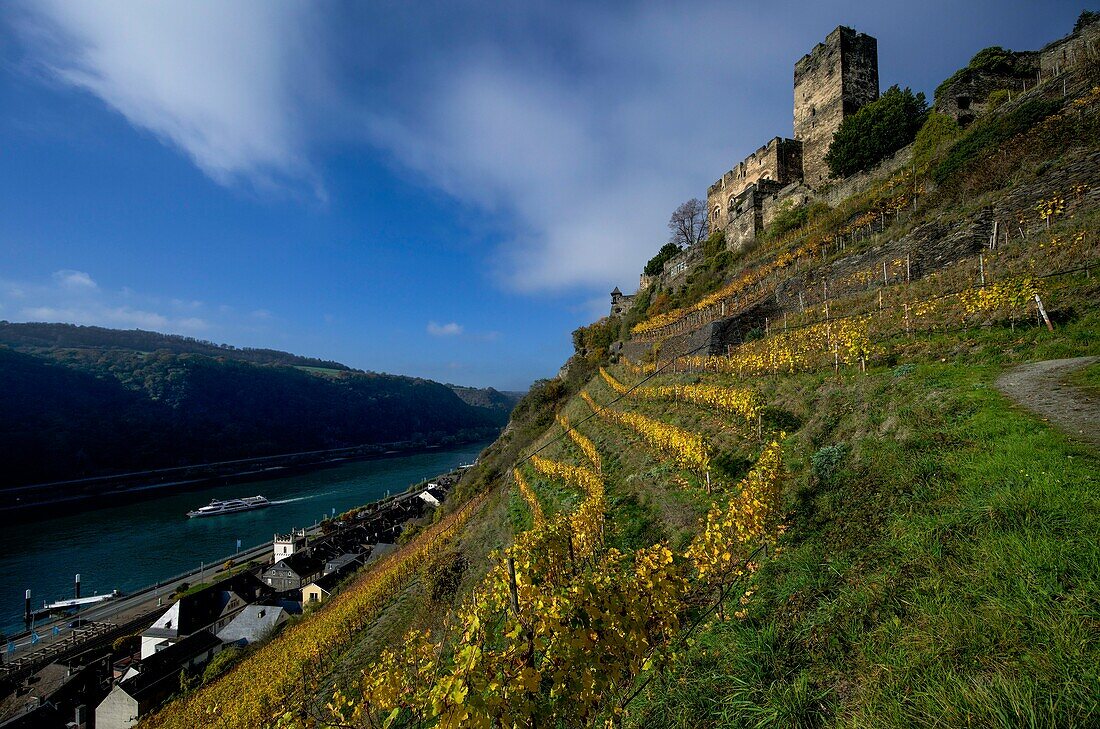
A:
36,336
83,401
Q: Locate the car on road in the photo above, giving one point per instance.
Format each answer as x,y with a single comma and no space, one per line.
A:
80,623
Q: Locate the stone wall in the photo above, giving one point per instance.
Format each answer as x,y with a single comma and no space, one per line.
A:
710,339
840,190
780,160
1075,49
831,82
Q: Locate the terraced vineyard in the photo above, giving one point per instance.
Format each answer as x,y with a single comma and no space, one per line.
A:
837,521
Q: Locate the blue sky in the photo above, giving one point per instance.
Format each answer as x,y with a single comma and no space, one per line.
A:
441,189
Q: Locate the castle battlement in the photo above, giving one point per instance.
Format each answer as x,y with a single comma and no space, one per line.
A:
831,82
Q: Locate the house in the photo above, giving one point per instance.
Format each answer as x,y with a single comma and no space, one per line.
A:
320,589
432,496
154,680
344,563
291,573
55,697
380,550
253,623
210,608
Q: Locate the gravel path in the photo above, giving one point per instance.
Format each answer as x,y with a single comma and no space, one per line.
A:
1041,387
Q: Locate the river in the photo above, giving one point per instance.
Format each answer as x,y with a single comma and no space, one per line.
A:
128,546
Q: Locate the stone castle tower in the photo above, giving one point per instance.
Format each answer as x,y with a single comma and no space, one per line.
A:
831,82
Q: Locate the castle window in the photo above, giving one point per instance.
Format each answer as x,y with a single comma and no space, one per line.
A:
717,212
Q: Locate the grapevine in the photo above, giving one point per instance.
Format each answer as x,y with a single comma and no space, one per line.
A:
685,448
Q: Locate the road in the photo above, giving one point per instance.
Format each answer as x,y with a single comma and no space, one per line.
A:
1041,387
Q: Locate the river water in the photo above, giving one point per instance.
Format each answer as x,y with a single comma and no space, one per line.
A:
129,546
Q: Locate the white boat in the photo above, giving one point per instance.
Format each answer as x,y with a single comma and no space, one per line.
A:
231,506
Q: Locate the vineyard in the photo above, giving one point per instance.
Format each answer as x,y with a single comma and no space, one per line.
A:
837,521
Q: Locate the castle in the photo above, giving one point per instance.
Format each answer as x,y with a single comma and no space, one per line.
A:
831,82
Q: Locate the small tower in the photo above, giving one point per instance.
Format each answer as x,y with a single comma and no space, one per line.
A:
831,82
620,302
287,544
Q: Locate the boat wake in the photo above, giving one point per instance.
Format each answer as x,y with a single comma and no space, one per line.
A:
291,501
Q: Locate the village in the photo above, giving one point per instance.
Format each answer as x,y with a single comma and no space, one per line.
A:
119,673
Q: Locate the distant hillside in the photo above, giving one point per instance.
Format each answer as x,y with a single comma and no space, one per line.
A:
39,336
86,401
488,398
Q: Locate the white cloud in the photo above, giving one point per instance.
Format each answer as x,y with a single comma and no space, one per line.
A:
74,280
579,126
212,78
451,329
74,297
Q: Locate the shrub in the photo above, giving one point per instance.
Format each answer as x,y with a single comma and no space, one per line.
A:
997,98
990,132
825,463
876,131
1086,18
126,645
220,663
989,60
791,217
935,136
657,264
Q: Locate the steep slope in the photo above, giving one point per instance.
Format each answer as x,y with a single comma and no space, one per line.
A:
788,495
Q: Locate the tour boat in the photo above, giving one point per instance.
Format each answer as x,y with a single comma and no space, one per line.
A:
232,506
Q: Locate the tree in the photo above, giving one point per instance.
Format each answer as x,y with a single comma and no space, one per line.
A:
657,263
1085,19
876,131
689,224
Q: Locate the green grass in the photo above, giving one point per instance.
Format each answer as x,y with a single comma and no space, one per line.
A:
946,576
1088,378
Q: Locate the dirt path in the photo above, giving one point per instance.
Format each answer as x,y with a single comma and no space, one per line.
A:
1041,387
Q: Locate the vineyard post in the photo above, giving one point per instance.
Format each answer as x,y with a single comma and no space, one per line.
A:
880,299
512,589
907,319
836,358
884,281
767,327
908,278
801,303
981,268
1043,312
993,238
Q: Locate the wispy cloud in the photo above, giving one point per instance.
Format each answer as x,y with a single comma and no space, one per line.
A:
450,329
579,126
74,280
74,297
220,81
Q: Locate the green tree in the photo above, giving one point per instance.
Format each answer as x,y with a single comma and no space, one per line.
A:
1086,18
657,263
876,131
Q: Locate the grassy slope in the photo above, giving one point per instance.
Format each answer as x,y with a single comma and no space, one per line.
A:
946,574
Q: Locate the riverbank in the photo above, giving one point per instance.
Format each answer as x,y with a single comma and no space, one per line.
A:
128,546
61,637
63,497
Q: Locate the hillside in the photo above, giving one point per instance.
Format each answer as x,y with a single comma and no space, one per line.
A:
83,401
38,337
781,488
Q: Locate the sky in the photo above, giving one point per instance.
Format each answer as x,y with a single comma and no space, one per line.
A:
439,189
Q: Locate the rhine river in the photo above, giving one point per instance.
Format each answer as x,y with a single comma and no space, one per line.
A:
130,546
